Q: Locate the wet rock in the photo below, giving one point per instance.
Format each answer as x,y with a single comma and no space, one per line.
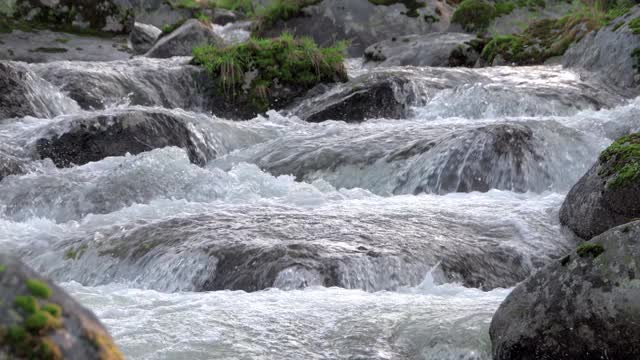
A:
25,94
434,49
181,41
609,54
143,37
65,330
171,83
608,194
159,13
364,23
255,247
113,16
584,306
85,138
412,159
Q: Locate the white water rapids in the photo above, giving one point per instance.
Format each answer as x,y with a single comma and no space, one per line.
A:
352,241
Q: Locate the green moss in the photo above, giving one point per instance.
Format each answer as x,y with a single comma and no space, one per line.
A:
504,8
39,288
510,47
2,268
41,321
634,25
52,309
474,15
297,63
28,304
16,334
621,161
590,249
411,5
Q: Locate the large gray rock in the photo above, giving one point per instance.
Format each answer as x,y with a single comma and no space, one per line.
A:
607,54
114,16
584,306
182,40
69,330
85,138
434,49
143,37
600,201
364,23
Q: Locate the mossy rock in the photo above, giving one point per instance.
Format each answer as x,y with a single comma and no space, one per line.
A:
620,162
38,320
474,15
262,74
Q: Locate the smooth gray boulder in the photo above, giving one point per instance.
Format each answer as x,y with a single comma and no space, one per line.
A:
609,55
584,306
364,23
143,37
38,320
436,49
608,194
181,41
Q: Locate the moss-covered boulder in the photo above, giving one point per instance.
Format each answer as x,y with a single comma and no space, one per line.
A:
609,193
585,305
38,320
474,15
264,74
111,16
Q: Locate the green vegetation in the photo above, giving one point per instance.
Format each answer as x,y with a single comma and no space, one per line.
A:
41,321
474,15
634,25
621,160
283,61
2,268
590,249
75,254
52,309
281,10
28,304
411,5
39,288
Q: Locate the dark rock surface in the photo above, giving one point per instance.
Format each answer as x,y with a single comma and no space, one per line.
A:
92,137
584,306
70,331
435,49
181,41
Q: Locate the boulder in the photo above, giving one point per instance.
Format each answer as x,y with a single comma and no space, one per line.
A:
112,16
181,41
38,320
364,23
610,54
609,193
435,49
584,306
143,37
85,138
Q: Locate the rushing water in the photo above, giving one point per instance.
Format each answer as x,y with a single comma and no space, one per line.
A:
416,227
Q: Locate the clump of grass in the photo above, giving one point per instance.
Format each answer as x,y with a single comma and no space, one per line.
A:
621,161
39,288
474,15
634,25
28,304
41,321
590,249
53,309
298,63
